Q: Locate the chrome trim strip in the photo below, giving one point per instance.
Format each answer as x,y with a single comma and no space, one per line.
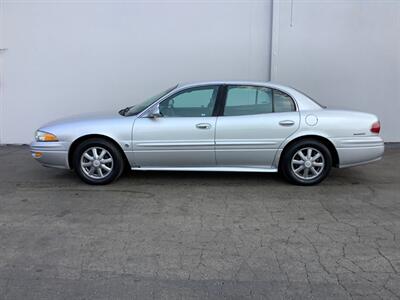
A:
173,144
201,150
173,150
244,149
239,143
360,147
357,144
218,143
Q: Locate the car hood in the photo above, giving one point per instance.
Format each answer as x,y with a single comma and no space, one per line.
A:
103,116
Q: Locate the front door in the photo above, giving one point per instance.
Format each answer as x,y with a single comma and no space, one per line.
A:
254,123
183,136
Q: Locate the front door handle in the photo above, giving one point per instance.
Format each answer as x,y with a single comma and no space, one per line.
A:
203,126
286,123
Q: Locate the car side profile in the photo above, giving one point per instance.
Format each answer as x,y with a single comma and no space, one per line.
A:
214,126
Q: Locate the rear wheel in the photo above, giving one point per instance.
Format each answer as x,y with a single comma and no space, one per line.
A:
306,162
97,161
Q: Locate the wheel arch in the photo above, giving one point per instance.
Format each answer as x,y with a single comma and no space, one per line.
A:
331,147
79,140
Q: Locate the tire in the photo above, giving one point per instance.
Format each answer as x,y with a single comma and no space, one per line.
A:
300,169
101,167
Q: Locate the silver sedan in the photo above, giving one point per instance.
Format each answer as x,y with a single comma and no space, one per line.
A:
214,126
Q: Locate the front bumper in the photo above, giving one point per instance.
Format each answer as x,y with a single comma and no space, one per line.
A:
358,151
51,154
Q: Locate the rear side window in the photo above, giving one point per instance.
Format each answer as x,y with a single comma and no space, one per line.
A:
247,100
251,100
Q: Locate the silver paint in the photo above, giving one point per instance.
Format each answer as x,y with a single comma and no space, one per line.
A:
226,143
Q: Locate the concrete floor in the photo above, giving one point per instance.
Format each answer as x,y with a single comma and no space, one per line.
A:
198,235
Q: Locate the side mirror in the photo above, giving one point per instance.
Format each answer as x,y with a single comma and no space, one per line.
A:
155,113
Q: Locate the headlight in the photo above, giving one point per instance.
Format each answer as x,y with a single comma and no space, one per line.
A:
42,136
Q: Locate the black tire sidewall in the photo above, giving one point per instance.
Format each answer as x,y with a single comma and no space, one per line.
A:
287,158
118,161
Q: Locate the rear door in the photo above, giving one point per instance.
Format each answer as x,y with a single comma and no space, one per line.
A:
253,124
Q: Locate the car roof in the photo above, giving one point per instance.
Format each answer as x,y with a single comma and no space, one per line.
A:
235,82
303,101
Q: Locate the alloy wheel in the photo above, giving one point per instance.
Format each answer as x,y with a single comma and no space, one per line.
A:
96,162
307,163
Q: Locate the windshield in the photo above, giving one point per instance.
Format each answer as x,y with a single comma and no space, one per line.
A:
134,110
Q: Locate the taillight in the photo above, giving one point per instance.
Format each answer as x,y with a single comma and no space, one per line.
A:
376,127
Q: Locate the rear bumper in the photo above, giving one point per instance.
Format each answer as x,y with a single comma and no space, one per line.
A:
51,154
358,151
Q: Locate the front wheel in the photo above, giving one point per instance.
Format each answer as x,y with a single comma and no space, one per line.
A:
97,161
307,162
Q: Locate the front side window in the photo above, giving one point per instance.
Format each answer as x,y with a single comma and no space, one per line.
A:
251,100
248,100
193,102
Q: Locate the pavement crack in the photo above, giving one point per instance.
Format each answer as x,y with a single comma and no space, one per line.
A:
387,259
343,286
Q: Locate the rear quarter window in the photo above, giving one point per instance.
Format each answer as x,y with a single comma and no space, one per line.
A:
283,102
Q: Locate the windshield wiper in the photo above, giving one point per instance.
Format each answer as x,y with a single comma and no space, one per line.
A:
123,111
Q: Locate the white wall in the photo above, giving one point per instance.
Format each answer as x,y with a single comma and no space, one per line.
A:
343,53
69,57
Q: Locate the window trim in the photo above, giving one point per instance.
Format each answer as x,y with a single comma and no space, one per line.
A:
221,97
225,94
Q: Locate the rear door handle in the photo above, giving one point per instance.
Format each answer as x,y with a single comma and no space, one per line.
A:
203,126
286,123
